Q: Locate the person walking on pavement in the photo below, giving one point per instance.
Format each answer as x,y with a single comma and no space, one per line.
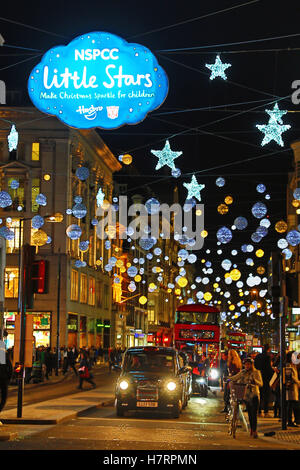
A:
112,358
292,385
84,371
262,362
71,357
234,365
252,377
48,362
65,360
6,371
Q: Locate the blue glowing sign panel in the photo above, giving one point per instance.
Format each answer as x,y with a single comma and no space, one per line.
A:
98,80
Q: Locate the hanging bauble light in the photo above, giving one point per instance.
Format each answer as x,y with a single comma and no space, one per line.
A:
281,226
39,238
222,209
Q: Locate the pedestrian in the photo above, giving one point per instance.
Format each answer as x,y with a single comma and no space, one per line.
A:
112,358
65,360
84,371
252,377
71,360
223,369
48,363
6,371
292,385
275,386
100,354
262,362
234,365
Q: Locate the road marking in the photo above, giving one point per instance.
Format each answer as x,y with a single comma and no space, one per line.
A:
153,421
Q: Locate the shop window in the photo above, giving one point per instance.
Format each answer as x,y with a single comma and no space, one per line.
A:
151,316
91,291
83,288
35,190
74,285
35,152
72,323
17,194
11,283
12,246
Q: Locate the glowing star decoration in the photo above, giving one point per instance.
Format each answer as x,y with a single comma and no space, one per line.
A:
194,188
166,156
218,69
275,114
12,139
274,128
100,197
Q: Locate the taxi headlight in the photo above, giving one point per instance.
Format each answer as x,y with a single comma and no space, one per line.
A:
214,373
171,386
124,385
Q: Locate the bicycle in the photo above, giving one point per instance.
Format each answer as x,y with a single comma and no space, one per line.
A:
237,391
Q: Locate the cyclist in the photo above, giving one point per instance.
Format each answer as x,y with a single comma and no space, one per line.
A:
253,379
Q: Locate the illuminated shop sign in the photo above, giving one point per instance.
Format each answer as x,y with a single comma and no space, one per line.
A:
98,80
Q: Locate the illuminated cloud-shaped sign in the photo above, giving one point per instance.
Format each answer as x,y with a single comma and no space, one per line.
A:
98,80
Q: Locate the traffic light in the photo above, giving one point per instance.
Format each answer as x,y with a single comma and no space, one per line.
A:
35,275
39,277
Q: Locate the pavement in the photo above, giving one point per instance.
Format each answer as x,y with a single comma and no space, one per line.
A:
52,411
68,407
271,429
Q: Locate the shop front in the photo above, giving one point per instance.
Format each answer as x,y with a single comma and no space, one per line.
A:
83,332
72,329
41,328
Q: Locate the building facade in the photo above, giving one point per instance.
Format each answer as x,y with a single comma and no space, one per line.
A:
45,164
292,265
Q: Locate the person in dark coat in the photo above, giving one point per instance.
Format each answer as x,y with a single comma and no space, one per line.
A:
85,366
71,357
262,362
48,362
6,372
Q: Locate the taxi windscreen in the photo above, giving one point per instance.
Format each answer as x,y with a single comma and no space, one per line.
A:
149,362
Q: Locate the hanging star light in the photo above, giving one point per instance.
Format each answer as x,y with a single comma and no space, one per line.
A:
218,69
274,128
166,156
100,197
275,114
272,131
194,188
12,139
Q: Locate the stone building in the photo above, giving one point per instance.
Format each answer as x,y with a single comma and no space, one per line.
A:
45,163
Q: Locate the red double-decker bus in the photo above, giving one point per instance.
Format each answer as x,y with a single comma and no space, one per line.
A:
197,331
236,340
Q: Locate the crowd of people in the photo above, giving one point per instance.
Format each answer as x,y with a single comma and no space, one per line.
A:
46,362
261,373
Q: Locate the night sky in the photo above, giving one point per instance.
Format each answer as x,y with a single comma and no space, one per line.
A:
215,141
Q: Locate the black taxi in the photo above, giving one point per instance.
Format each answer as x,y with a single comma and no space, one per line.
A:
151,379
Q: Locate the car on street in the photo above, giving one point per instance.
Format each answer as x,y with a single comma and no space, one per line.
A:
151,379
